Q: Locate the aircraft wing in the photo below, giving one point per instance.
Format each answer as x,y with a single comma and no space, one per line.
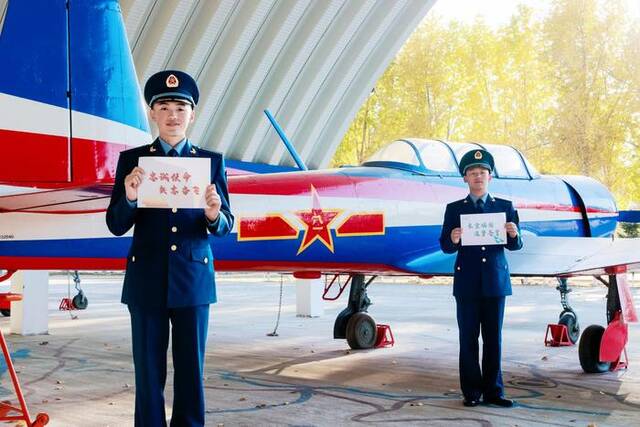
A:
92,198
570,256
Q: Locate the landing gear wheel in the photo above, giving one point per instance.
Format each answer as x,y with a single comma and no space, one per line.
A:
570,320
6,312
80,301
589,350
361,331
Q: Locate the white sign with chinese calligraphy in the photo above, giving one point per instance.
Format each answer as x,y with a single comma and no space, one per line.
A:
174,182
483,229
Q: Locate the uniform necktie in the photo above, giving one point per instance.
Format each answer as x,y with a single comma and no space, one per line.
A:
172,153
480,205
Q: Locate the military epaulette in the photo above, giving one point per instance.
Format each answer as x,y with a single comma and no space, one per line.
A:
205,151
199,150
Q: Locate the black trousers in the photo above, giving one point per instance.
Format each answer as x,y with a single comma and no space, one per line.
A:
480,315
150,329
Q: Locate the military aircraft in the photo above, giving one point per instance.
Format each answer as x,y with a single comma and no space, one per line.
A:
73,103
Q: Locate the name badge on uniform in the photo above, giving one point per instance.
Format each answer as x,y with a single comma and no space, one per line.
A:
484,229
174,182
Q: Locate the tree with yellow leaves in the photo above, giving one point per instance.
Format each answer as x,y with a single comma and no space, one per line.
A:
565,90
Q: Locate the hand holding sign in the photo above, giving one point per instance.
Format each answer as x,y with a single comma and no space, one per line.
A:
212,198
456,234
132,182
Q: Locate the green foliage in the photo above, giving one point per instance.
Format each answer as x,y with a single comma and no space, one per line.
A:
626,229
565,90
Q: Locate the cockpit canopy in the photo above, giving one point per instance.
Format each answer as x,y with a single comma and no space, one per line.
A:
435,157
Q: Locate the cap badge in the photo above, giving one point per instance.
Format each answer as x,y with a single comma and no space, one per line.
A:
172,81
478,155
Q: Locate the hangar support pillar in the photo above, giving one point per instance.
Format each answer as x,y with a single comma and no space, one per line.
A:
309,301
30,316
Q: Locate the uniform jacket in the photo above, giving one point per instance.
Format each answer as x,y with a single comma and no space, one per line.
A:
170,262
480,271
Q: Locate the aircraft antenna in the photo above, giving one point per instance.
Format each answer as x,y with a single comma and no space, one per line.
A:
286,142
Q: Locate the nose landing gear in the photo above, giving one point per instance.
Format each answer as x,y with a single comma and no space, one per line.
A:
354,323
78,302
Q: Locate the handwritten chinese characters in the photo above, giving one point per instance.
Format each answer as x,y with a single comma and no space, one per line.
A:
180,183
483,229
174,182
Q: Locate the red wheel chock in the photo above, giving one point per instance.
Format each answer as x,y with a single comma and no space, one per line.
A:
559,336
17,413
384,337
66,304
619,363
613,343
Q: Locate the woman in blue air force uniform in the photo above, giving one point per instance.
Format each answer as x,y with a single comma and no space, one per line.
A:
169,278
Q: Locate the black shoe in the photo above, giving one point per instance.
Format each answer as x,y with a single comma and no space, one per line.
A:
499,401
471,402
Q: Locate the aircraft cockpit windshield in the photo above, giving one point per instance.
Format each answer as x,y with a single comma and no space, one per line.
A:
400,151
510,163
435,157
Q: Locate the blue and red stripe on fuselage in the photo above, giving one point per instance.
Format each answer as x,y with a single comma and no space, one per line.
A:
409,206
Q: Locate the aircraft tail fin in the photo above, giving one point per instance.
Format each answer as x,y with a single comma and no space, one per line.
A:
69,95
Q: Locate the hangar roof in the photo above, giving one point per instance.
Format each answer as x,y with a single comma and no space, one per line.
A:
310,62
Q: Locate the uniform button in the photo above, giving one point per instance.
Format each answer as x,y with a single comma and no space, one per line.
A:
483,248
484,260
133,259
206,260
174,229
458,268
174,248
174,210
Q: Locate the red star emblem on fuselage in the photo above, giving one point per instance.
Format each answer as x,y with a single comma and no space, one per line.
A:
317,223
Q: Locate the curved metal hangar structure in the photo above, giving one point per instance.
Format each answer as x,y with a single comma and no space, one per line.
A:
310,62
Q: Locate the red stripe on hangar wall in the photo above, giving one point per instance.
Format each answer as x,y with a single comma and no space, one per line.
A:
268,227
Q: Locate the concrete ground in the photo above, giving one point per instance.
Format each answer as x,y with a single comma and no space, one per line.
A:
81,374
